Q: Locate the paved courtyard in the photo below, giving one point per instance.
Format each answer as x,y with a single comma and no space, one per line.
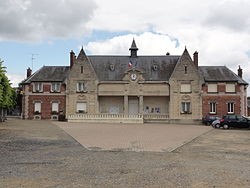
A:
132,137
41,154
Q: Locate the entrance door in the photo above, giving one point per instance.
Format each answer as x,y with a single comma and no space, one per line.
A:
133,105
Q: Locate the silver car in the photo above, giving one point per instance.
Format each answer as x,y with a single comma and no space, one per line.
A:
216,123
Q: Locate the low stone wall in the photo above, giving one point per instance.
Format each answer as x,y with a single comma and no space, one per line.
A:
129,118
156,118
105,118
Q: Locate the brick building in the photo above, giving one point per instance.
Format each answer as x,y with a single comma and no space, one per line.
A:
133,89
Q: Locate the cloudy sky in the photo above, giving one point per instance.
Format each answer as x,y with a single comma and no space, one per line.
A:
49,29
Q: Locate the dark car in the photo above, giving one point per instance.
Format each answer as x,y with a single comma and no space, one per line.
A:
233,121
208,120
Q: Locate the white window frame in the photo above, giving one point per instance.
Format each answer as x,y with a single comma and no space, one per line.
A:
37,106
55,107
185,107
81,107
212,88
230,88
212,107
186,88
230,107
80,87
55,87
37,87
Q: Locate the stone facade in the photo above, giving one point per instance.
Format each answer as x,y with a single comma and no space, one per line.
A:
185,73
82,72
135,89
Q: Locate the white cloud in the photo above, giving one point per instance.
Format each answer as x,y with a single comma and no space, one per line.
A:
218,30
15,78
33,20
148,44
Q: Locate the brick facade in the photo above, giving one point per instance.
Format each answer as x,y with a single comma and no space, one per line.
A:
45,97
222,98
221,104
46,105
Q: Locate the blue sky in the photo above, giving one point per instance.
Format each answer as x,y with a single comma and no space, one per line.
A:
217,29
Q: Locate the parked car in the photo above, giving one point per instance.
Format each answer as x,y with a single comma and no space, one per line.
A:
207,120
232,121
216,123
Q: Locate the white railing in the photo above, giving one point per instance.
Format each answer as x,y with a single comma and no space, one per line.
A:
117,118
108,118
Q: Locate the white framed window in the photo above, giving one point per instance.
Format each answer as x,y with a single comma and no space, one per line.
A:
37,107
55,106
185,88
185,107
55,87
81,87
37,87
230,108
212,88
212,107
81,107
230,88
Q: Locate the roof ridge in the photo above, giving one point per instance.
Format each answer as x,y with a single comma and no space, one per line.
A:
236,75
33,74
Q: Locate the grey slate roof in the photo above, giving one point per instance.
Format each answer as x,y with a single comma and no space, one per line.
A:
165,66
48,74
219,73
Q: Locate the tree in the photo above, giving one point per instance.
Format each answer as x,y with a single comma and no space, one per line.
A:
7,93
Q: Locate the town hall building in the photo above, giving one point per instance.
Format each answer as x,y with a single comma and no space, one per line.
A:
133,89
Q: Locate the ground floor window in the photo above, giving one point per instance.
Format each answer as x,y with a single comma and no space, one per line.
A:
230,108
186,107
213,108
81,107
37,108
55,107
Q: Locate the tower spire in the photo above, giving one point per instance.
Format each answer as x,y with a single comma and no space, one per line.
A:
133,49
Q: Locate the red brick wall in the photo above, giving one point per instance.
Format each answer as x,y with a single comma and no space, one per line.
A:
46,87
30,87
237,88
63,87
221,88
221,104
46,106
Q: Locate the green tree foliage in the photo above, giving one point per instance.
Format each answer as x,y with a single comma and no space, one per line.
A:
7,94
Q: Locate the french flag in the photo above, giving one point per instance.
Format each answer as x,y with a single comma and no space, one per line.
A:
130,64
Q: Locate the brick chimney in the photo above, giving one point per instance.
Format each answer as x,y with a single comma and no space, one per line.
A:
196,58
72,58
240,72
29,72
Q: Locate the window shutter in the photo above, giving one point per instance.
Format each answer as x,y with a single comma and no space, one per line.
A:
185,88
230,88
55,107
81,107
212,88
38,107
